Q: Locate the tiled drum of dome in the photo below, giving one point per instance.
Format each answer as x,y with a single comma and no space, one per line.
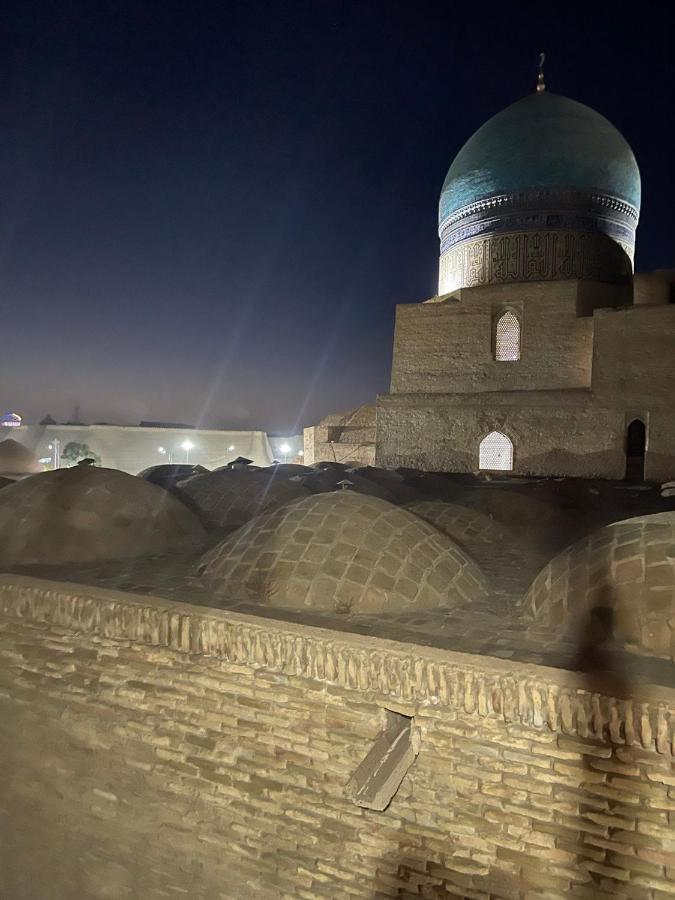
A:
344,552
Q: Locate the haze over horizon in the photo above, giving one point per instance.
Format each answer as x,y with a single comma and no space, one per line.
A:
210,218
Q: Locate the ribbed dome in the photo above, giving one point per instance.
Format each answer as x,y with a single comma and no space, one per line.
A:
542,141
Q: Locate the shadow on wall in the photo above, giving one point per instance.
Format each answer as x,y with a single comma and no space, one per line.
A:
433,881
599,660
600,650
430,458
608,463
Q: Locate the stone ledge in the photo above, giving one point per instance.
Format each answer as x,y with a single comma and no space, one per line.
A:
415,676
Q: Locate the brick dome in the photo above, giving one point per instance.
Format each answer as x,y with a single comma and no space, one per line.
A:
628,567
228,498
474,531
15,459
345,553
87,514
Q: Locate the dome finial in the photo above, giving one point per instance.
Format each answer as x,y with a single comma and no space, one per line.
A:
541,84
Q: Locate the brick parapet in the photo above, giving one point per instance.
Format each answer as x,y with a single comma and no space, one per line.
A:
397,674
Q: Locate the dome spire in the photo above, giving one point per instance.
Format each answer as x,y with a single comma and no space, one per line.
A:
541,84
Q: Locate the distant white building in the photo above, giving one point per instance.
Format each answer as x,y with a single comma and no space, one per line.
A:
134,448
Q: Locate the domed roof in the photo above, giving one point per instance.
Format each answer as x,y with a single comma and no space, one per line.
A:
472,529
227,498
15,459
343,553
628,567
90,514
542,141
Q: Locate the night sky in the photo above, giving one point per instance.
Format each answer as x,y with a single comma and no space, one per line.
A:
208,212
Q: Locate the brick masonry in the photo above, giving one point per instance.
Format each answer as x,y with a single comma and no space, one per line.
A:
588,367
628,567
159,750
342,437
344,552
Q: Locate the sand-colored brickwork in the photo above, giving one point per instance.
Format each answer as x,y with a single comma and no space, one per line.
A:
472,529
343,437
153,750
87,514
344,552
228,498
629,568
589,365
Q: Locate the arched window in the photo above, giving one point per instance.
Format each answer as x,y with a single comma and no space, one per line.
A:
495,452
636,445
507,337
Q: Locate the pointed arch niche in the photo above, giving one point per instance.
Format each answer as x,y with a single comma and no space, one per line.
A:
507,336
496,452
636,446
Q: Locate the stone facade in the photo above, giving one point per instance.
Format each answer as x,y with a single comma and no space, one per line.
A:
542,339
153,749
588,366
343,437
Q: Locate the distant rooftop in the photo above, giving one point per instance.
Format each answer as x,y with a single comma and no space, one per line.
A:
145,424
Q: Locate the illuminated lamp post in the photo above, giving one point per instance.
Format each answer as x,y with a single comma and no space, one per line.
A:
285,449
55,447
187,446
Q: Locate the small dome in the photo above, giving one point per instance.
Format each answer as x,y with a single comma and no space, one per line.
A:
228,498
90,514
628,568
542,141
343,552
472,529
15,459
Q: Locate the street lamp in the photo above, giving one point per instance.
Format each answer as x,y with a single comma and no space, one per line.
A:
162,450
56,447
187,446
285,449
230,448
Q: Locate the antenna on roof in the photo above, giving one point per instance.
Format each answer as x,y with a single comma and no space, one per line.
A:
541,84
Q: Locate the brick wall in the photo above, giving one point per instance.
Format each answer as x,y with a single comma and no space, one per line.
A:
553,433
162,750
447,347
633,356
584,373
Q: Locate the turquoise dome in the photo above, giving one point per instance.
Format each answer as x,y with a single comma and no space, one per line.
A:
543,141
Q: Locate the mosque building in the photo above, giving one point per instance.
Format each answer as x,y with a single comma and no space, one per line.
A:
543,353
